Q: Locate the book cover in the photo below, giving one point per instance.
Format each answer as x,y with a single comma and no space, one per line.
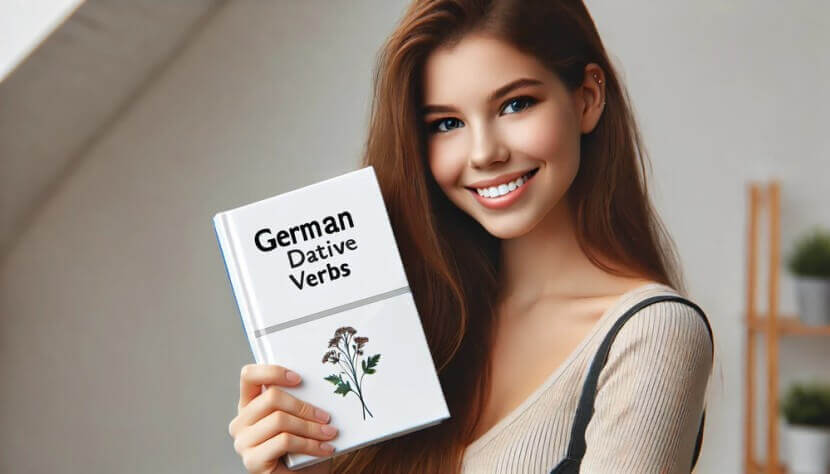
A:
321,289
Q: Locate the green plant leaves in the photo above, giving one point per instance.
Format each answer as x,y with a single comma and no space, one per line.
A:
344,388
807,403
335,379
370,363
811,254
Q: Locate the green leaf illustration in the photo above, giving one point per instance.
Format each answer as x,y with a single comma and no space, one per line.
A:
344,388
369,364
335,379
345,349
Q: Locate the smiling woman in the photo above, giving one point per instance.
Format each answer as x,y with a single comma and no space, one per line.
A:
549,291
515,180
530,123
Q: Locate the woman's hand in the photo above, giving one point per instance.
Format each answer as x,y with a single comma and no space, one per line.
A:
271,423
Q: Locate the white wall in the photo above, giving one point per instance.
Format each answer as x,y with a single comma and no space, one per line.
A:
120,345
25,23
726,92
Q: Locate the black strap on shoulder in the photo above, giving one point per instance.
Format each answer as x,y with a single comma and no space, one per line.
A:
585,409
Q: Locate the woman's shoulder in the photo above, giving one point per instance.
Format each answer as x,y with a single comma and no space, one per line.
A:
660,300
678,312
677,327
652,387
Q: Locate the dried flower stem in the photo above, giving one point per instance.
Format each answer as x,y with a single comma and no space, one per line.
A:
346,359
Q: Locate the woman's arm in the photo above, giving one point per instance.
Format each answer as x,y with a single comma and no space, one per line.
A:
650,394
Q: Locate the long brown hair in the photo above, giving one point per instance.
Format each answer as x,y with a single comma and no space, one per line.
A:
451,261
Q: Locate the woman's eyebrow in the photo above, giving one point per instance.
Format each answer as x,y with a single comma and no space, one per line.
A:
501,91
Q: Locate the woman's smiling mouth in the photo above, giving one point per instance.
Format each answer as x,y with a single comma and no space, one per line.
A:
499,196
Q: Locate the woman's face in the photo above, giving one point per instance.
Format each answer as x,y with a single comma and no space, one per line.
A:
502,132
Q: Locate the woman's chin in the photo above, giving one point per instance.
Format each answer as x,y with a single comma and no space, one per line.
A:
506,229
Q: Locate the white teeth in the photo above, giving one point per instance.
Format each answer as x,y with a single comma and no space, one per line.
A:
502,189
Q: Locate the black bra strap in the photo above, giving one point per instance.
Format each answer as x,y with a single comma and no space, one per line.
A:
576,448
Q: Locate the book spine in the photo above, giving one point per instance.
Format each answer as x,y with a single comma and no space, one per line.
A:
224,236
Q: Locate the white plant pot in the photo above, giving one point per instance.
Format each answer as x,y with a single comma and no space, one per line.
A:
808,449
813,295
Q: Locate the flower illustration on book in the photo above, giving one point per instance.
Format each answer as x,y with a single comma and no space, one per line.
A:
346,350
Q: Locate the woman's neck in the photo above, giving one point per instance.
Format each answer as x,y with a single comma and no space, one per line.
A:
548,262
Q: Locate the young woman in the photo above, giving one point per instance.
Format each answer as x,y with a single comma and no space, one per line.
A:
512,170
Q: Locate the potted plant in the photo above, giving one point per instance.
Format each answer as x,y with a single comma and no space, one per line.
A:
810,264
806,408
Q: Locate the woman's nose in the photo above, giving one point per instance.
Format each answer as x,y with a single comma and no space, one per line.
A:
486,147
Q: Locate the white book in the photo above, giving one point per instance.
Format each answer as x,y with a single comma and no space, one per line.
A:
321,290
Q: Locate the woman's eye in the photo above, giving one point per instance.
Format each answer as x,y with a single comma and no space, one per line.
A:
528,101
446,124
436,126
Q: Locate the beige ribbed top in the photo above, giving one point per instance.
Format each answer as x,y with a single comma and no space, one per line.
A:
650,396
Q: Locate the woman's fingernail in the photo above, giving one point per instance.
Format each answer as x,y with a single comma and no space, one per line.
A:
327,447
321,415
292,376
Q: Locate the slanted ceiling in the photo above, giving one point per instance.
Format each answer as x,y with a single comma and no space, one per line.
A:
56,103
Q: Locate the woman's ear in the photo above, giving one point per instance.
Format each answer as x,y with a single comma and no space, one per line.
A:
591,98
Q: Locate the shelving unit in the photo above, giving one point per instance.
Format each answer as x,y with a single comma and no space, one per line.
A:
770,325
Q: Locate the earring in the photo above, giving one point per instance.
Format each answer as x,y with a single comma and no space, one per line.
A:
599,81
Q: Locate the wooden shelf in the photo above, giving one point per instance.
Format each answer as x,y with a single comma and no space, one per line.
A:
787,324
755,468
768,325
